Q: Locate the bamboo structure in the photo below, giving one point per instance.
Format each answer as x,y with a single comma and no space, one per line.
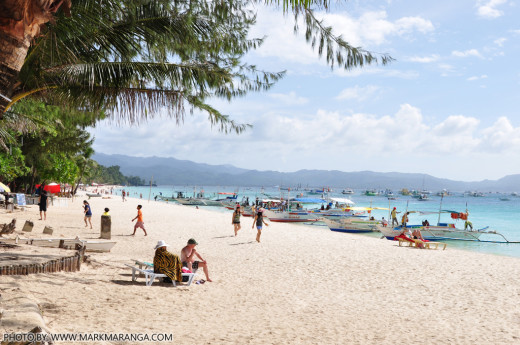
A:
66,264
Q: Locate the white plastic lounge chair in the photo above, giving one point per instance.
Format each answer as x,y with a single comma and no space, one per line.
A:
150,276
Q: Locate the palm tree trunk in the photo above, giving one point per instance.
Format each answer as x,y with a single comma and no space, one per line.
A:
20,22
12,56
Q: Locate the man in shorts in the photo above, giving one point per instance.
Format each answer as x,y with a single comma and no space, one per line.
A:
139,223
188,254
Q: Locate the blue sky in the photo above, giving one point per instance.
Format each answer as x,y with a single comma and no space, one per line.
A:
447,106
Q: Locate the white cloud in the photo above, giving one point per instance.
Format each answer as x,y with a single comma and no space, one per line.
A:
501,137
483,76
373,28
500,41
369,30
487,8
424,59
447,70
466,53
385,72
316,140
290,98
358,93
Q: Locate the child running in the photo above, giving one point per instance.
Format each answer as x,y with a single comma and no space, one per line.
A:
88,213
139,223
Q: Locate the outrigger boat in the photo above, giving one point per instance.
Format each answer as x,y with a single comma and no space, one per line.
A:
445,231
290,217
442,231
351,225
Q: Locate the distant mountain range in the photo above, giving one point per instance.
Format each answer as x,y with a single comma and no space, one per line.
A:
171,171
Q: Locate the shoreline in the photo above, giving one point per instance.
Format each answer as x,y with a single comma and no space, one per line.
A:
302,284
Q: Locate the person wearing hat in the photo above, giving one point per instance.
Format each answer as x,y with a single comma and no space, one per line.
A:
188,254
394,217
167,263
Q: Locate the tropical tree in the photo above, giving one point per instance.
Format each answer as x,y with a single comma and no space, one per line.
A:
49,145
20,23
135,58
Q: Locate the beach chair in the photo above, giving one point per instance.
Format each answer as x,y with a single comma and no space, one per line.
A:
150,275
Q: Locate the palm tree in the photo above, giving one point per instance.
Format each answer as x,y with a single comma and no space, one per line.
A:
20,22
115,58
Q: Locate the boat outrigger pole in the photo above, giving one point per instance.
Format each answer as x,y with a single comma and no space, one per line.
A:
440,210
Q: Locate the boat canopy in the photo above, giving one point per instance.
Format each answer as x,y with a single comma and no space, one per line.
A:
309,200
271,200
343,201
367,208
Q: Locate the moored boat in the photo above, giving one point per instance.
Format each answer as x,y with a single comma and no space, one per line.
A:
443,231
290,217
351,225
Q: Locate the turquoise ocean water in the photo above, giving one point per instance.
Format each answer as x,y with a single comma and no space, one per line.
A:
488,210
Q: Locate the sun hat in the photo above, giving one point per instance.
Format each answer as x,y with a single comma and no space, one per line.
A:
192,241
160,244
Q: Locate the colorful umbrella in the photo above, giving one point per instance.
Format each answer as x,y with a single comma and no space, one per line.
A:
4,188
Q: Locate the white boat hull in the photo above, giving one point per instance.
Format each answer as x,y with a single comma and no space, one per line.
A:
290,217
435,233
352,225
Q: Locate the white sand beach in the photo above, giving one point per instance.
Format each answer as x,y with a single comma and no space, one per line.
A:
301,285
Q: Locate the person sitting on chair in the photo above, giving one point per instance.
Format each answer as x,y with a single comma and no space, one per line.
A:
167,263
188,254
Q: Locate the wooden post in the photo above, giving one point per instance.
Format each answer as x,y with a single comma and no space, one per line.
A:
106,225
28,226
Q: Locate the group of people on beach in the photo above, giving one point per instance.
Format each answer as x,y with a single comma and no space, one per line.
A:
87,210
258,220
172,266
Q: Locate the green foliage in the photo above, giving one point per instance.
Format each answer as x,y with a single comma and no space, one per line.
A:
112,175
60,167
136,59
12,164
48,143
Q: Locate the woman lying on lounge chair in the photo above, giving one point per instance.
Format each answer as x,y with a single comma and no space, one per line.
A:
167,263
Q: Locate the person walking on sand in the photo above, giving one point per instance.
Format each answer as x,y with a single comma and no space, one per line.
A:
123,194
394,217
42,203
188,254
88,213
139,223
259,221
235,220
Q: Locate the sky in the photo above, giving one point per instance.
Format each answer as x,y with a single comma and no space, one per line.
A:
448,106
